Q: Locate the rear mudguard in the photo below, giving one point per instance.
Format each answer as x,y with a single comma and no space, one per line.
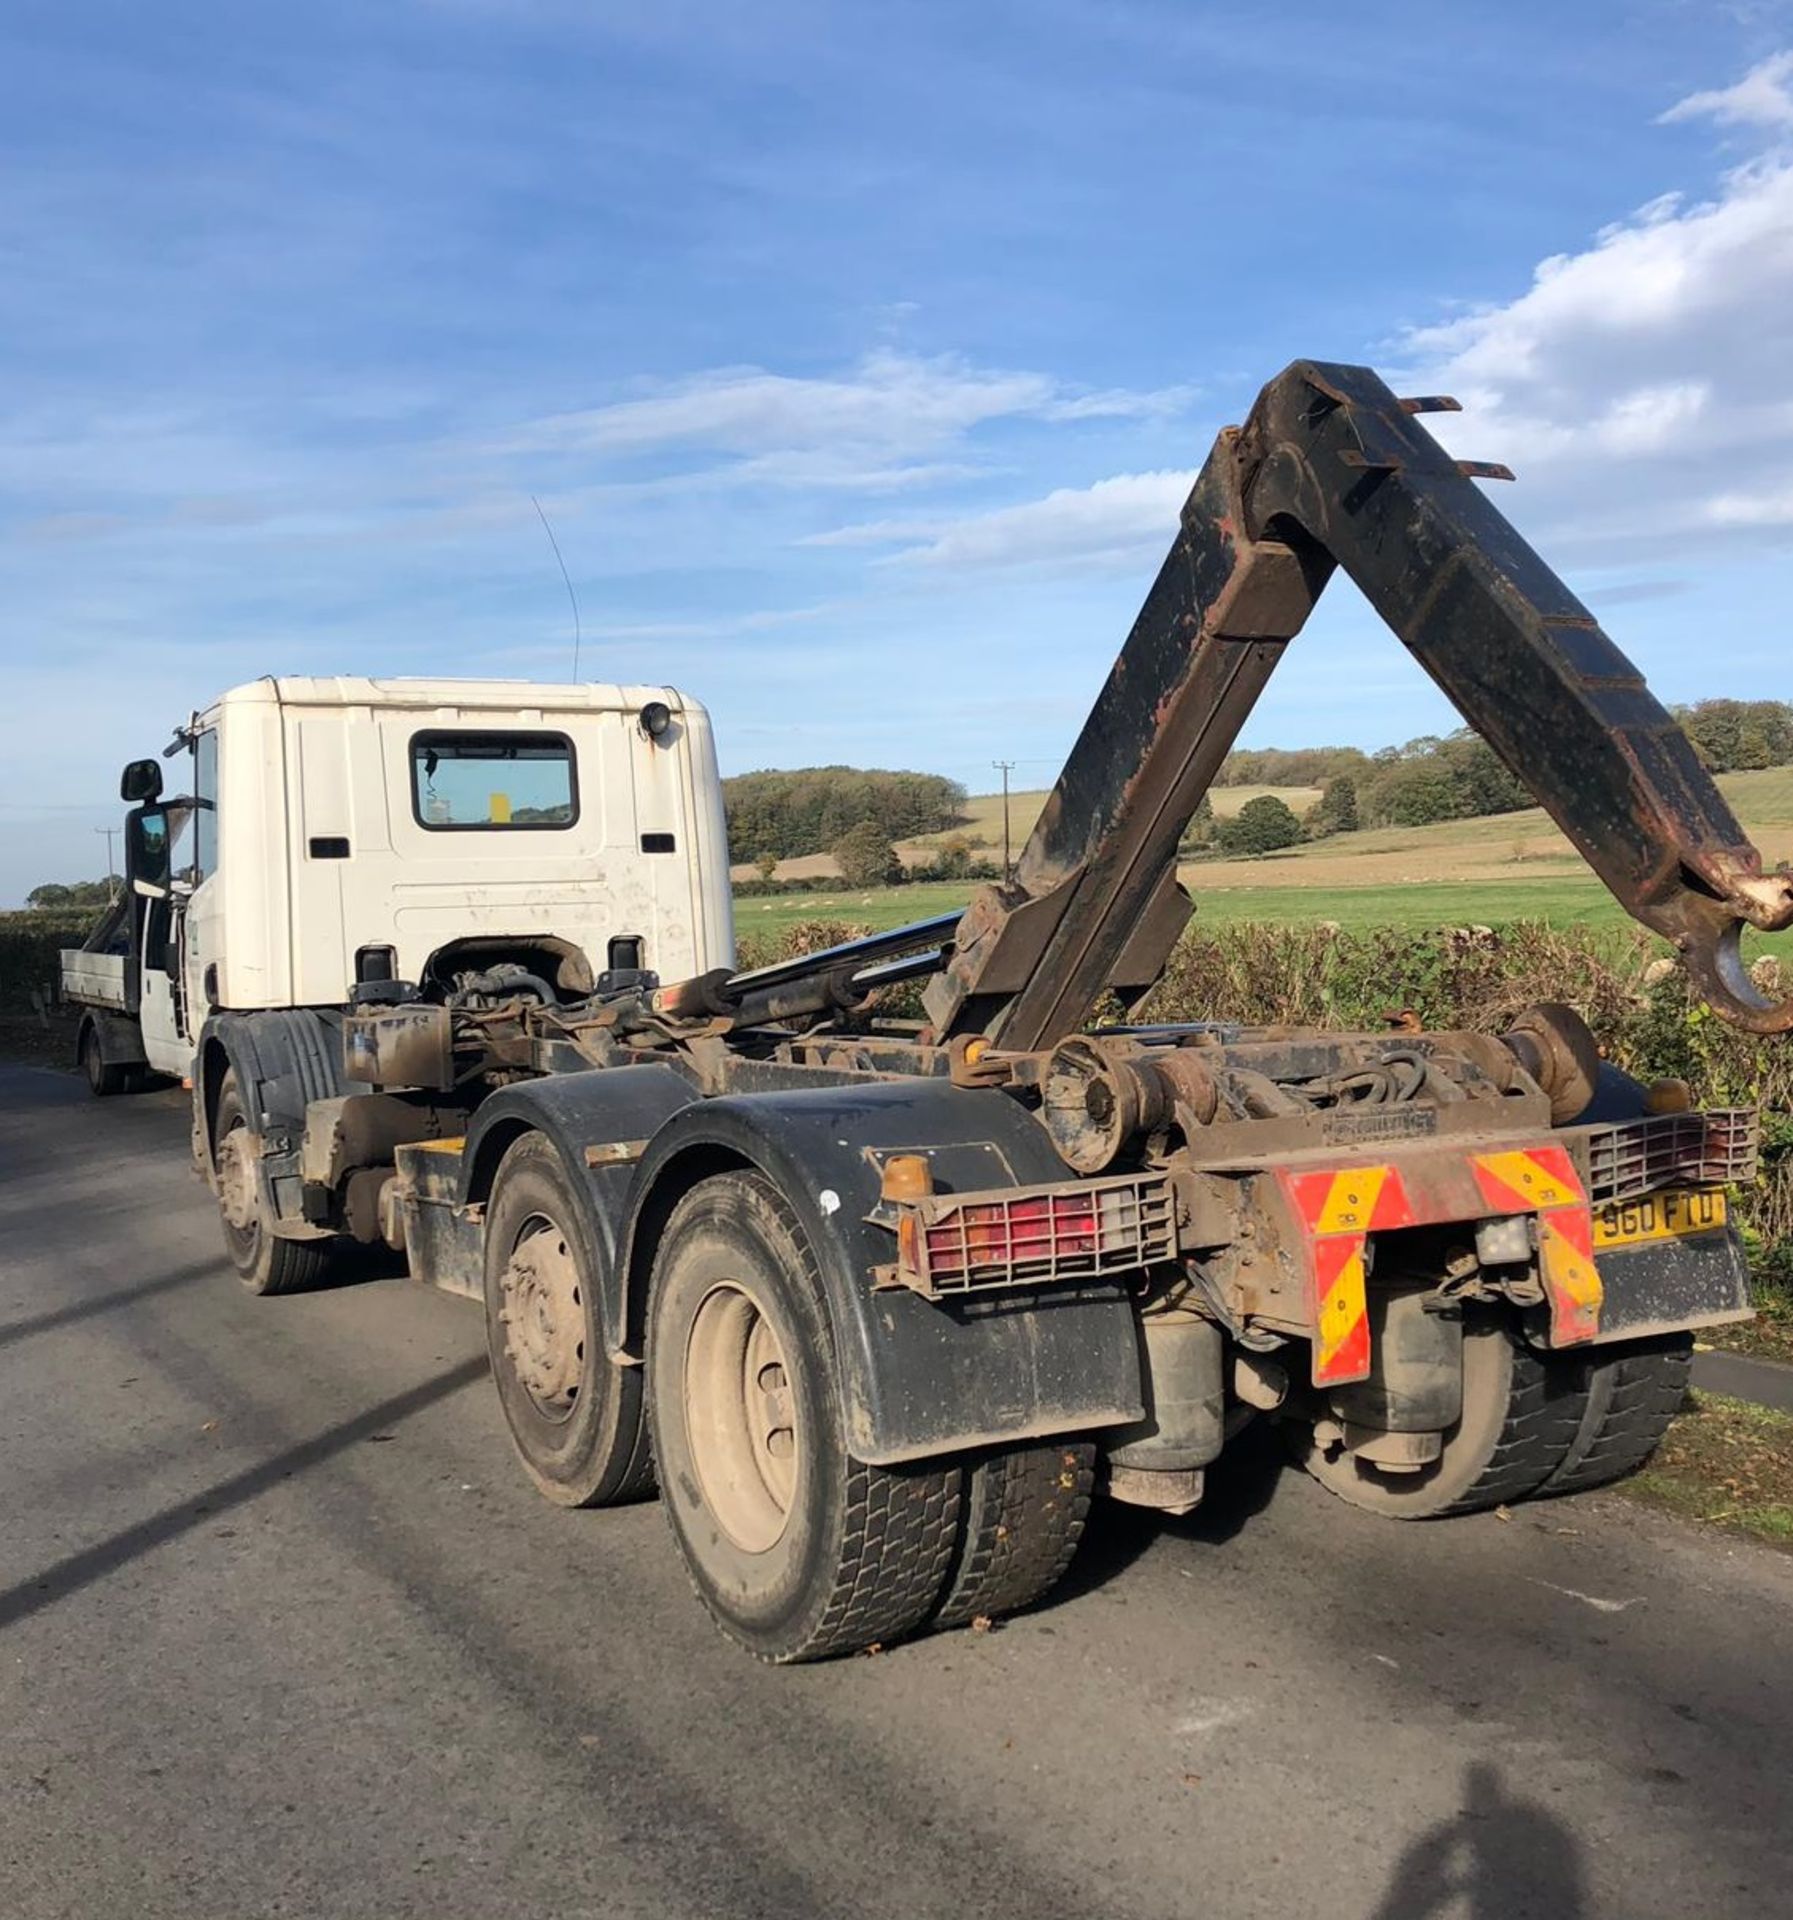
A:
919,1377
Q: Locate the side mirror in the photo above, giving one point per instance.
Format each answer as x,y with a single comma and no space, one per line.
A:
140,781
147,851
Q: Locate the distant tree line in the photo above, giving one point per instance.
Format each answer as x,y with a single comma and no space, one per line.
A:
856,814
1739,736
1288,766
1455,776
71,893
786,815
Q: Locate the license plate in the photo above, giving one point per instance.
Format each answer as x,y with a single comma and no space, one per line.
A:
1659,1216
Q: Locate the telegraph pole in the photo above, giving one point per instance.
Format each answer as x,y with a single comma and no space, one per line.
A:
111,889
1005,768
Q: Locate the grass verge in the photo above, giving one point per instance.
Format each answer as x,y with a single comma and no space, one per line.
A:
1767,1337
1725,1464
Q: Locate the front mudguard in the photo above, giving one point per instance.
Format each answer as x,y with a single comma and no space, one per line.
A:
284,1059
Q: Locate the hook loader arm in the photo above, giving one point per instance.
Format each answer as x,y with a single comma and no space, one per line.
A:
1332,470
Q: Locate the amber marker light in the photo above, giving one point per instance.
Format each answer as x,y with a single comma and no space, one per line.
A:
907,1176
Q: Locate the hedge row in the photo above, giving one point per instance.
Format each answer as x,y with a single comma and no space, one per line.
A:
30,942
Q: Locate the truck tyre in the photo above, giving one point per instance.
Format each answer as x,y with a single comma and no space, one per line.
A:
575,1418
1519,1420
264,1263
1628,1396
104,1077
797,1549
1021,1517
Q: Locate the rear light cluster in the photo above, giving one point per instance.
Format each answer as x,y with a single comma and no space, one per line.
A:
1021,1237
1716,1148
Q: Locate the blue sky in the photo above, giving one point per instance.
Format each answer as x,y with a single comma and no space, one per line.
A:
860,355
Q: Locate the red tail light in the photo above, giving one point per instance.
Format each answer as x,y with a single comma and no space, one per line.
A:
1025,1235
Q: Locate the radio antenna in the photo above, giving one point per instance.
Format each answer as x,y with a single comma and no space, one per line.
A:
567,577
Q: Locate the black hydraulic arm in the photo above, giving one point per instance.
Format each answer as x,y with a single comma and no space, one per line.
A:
1331,469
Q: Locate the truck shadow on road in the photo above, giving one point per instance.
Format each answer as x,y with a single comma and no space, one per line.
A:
14,1331
1499,1858
78,1570
358,1266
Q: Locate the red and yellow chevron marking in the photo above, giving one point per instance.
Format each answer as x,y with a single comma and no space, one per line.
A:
1566,1265
1337,1208
1354,1200
1342,1323
1543,1180
1528,1180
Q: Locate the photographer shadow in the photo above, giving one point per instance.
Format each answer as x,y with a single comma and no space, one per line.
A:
1499,1858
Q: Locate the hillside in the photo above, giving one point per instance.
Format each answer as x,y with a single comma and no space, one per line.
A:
983,827
1503,867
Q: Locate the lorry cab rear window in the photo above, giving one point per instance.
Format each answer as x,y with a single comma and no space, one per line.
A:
461,780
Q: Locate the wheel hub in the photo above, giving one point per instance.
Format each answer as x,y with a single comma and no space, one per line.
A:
742,1418
236,1180
544,1319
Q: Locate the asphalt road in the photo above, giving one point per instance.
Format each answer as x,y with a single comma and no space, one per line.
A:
282,1631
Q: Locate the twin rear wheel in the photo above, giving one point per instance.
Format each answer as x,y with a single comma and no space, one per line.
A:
797,1549
1532,1425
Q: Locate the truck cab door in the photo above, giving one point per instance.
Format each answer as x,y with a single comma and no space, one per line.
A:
166,1043
159,903
202,918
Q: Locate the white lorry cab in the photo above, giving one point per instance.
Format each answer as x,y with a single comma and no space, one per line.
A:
321,832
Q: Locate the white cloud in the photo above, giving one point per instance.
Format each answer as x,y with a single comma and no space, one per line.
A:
1773,508
1640,380
1762,98
1641,387
892,407
1115,519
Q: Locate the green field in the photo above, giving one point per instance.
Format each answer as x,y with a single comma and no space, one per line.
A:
1564,902
1421,904
876,907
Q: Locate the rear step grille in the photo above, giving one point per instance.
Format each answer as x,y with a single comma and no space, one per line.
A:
1715,1148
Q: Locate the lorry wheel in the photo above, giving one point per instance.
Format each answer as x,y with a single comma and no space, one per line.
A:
797,1549
1021,1517
575,1417
1518,1423
1628,1396
264,1263
103,1077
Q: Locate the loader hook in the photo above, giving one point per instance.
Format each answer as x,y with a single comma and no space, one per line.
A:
1715,964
